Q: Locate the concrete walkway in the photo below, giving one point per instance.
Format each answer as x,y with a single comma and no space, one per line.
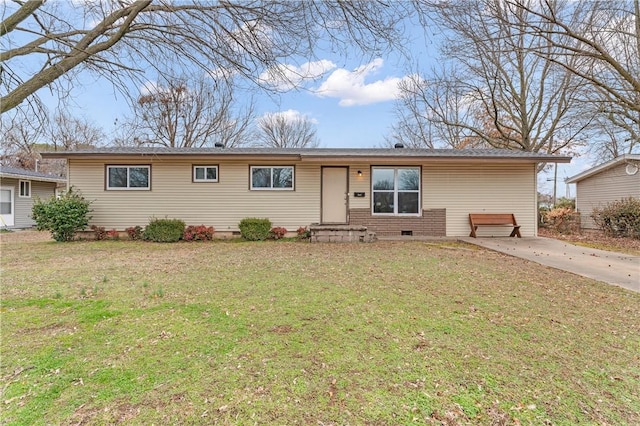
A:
610,267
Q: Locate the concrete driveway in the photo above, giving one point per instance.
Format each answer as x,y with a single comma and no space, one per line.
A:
610,267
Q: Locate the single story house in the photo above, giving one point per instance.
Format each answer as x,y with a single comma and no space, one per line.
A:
18,189
607,182
420,192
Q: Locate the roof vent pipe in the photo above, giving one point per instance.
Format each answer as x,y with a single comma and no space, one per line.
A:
219,145
398,146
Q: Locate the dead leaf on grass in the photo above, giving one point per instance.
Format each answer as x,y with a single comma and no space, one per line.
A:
421,345
281,329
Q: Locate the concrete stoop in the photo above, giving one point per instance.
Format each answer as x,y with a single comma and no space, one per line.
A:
341,234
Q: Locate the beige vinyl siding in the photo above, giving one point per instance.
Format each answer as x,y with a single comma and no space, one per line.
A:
22,205
360,184
607,186
174,195
481,188
463,188
460,188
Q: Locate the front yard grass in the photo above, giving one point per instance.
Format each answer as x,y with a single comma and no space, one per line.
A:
292,333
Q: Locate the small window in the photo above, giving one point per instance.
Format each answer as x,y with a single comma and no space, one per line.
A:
128,177
272,178
25,189
205,173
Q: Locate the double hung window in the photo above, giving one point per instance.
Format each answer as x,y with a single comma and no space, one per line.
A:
25,189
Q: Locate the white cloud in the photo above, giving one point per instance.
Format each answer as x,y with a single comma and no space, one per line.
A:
286,76
291,115
350,86
149,87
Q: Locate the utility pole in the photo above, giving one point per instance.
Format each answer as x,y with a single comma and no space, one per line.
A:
555,185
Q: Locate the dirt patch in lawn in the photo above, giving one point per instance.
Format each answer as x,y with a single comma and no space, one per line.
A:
596,239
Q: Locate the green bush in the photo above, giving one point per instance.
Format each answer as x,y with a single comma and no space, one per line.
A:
62,216
254,229
619,218
164,230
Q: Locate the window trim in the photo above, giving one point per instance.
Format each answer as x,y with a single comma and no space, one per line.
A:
395,191
271,188
20,186
205,166
127,188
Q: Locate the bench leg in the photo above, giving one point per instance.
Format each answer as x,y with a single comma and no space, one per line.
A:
473,231
516,232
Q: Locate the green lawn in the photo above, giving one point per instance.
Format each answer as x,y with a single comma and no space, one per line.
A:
293,333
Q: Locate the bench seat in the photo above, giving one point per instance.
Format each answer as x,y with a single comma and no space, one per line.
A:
493,219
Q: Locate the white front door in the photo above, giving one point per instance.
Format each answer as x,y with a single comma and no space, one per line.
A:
334,194
7,206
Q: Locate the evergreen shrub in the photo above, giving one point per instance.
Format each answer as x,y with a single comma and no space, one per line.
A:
254,229
164,230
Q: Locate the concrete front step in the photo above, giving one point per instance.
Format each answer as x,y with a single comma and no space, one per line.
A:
341,234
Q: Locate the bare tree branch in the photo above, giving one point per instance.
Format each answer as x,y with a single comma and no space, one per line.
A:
501,87
605,36
287,130
124,41
190,113
20,15
81,51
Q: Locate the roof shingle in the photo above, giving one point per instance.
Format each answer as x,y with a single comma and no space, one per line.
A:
301,153
15,172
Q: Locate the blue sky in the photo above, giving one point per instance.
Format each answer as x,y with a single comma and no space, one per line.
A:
351,102
351,107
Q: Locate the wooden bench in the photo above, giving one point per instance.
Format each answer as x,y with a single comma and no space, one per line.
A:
493,219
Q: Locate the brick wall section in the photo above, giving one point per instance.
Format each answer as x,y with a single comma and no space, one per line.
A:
433,223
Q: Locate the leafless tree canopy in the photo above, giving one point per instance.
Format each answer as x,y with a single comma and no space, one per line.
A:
68,133
190,113
20,137
43,43
425,108
606,34
278,130
26,136
498,86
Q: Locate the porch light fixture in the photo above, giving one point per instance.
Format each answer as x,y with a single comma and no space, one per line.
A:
359,173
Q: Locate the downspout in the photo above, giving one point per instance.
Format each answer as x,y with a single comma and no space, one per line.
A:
535,199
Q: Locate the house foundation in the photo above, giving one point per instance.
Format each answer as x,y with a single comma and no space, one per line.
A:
432,223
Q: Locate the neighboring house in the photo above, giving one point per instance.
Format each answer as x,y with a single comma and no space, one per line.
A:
18,189
610,181
392,192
